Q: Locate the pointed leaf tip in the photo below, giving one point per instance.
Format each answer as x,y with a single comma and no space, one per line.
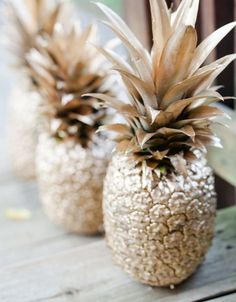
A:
207,46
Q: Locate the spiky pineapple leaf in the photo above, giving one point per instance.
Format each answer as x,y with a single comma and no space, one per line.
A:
170,95
67,69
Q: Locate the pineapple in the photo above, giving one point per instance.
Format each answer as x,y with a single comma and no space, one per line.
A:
23,109
159,200
27,20
71,157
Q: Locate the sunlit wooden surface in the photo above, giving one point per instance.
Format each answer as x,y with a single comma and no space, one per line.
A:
40,262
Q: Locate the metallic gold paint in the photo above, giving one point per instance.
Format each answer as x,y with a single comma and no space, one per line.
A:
159,228
71,183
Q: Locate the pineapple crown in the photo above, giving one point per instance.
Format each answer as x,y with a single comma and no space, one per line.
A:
66,66
169,112
29,19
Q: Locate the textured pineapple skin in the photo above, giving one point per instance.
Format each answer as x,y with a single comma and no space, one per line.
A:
71,183
23,123
159,229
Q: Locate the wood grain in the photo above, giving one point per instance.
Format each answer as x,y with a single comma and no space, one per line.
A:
228,298
30,239
225,14
208,24
137,15
87,274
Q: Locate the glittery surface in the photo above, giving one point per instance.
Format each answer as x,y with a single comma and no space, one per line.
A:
23,130
159,229
71,183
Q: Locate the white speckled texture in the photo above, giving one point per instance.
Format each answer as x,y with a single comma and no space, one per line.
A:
23,122
71,183
158,229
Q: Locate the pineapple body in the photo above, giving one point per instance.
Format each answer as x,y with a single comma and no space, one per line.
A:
71,183
159,228
23,128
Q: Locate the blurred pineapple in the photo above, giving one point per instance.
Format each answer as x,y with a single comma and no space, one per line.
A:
72,158
159,197
27,20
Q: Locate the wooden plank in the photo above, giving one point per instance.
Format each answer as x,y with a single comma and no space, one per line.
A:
207,23
205,293
137,15
34,238
88,274
228,298
225,14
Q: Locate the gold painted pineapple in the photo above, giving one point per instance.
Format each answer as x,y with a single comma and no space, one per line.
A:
27,21
71,157
159,198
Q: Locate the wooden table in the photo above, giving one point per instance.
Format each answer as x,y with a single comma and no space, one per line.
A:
40,262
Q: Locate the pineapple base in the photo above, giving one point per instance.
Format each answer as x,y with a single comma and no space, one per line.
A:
71,183
159,228
24,107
